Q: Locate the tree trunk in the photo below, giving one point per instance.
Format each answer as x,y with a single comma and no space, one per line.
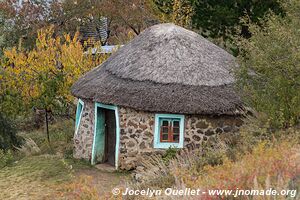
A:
47,126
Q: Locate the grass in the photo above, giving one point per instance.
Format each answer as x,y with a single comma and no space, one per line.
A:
33,177
53,174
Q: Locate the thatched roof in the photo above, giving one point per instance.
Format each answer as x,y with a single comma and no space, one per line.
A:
165,69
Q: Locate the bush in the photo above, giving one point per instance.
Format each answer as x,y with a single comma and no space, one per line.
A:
8,137
268,75
6,158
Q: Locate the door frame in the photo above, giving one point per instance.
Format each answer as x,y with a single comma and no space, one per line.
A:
109,107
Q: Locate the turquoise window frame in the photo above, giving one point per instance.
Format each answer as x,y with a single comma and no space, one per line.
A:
110,107
79,111
165,145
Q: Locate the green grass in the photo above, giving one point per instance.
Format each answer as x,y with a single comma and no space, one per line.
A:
34,177
45,176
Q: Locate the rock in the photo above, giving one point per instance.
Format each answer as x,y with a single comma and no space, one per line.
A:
187,139
139,131
131,143
219,130
143,145
148,134
199,131
196,137
227,129
123,132
131,123
209,132
151,122
124,138
143,127
202,125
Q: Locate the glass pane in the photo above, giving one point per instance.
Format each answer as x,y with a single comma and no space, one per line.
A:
165,129
176,123
165,123
165,137
175,130
176,138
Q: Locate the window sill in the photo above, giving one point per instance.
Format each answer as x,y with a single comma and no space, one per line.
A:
166,145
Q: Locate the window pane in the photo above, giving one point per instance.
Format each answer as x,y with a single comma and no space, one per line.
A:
165,129
165,123
175,130
176,138
165,137
176,123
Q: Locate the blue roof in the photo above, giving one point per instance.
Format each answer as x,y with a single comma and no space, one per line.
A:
106,49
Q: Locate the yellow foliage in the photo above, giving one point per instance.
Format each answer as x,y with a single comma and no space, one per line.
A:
46,73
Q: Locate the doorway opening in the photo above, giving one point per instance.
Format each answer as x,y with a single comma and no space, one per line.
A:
105,138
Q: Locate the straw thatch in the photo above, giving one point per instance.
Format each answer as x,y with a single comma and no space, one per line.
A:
165,69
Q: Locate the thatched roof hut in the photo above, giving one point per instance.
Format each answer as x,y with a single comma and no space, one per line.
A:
165,69
168,87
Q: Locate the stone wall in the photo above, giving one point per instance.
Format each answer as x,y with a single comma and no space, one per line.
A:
83,139
136,137
200,129
137,129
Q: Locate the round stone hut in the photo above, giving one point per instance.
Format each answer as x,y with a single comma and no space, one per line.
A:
168,87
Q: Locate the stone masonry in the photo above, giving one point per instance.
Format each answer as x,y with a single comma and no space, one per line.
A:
137,129
83,139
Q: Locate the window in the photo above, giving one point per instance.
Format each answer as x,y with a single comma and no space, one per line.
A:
168,131
79,110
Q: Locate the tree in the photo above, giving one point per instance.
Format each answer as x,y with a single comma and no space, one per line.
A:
42,77
216,19
269,76
20,22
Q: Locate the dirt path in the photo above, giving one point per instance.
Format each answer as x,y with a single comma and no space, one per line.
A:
104,181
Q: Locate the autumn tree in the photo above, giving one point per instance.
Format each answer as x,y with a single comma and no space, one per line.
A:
42,77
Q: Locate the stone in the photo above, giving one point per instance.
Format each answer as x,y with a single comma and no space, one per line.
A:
151,122
199,131
148,134
202,125
209,132
130,143
123,132
143,145
205,138
123,150
133,135
85,125
139,131
130,123
219,130
187,139
143,127
196,137
227,129
124,137
129,130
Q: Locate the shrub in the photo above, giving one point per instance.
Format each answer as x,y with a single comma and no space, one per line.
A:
8,137
6,158
268,75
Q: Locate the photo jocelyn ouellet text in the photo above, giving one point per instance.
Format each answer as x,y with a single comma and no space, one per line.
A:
198,192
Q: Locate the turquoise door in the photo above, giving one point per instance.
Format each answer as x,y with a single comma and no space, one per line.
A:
99,142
